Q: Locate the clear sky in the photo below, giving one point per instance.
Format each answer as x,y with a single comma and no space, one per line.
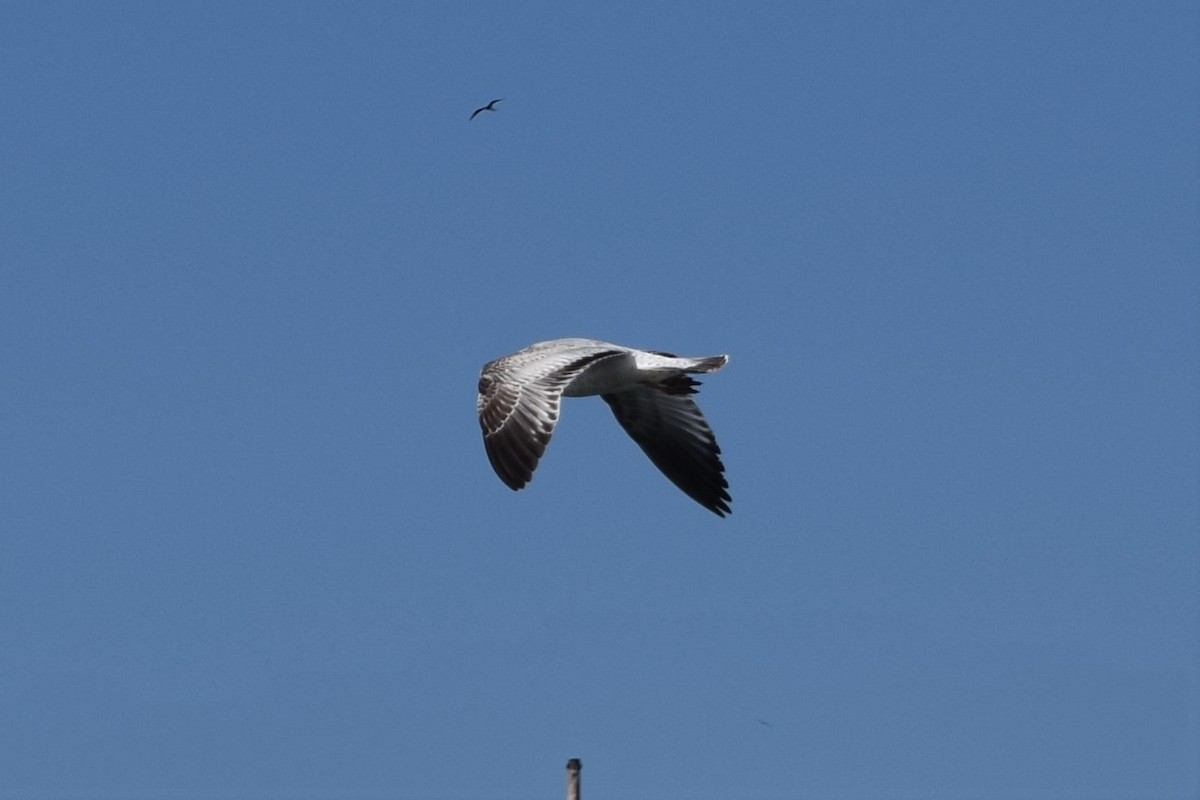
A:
253,256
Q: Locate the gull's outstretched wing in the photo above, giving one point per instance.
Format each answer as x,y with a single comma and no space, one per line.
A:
667,424
519,398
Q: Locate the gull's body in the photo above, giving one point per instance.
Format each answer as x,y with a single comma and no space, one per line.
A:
649,392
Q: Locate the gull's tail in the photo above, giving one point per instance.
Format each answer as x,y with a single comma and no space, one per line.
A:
671,364
710,364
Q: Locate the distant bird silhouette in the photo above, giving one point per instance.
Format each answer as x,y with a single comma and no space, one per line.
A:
489,107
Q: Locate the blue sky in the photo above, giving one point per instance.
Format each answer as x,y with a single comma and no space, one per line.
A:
253,256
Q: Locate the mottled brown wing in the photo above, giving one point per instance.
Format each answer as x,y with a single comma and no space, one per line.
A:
667,424
518,415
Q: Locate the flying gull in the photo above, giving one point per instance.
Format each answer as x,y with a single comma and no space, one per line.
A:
648,391
489,107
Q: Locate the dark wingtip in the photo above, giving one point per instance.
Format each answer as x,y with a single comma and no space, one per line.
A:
718,505
508,469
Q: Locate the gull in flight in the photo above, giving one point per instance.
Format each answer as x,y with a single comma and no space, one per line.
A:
649,392
489,107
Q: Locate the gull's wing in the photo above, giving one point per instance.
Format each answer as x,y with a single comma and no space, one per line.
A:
519,397
668,426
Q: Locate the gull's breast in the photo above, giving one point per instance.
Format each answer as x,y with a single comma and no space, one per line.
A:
613,374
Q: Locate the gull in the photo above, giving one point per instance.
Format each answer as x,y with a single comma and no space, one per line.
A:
489,107
649,393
